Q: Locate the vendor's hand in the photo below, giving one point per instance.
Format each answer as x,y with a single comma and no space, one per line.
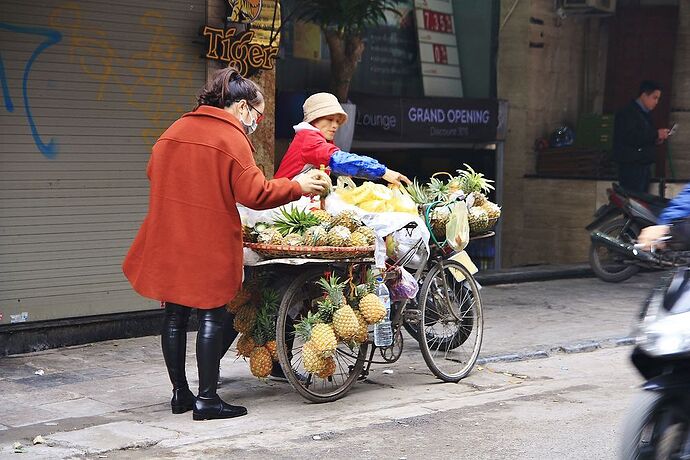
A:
650,235
394,177
314,182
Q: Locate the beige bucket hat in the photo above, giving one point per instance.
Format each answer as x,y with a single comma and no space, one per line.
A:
321,105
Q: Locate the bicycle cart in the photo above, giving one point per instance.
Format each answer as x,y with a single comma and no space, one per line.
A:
445,318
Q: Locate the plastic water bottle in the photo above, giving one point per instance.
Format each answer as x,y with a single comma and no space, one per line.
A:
383,330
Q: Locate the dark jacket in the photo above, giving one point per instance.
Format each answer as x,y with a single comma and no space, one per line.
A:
634,136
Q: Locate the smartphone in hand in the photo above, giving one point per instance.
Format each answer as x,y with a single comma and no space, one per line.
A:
673,129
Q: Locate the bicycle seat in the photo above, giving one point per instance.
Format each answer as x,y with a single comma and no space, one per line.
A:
638,211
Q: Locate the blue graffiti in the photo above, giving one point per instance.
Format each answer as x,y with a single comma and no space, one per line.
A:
51,38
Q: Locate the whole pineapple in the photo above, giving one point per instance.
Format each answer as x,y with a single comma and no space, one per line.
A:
272,347
323,216
338,236
260,362
270,236
439,218
479,199
344,321
347,219
362,329
242,297
493,211
478,220
311,359
293,239
312,329
315,236
358,239
245,345
370,306
328,369
369,233
244,319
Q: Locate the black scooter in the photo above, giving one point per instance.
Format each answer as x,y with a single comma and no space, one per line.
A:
658,423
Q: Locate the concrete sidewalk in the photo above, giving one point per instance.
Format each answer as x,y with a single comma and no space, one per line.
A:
107,396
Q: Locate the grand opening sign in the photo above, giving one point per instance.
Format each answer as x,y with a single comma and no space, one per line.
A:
442,120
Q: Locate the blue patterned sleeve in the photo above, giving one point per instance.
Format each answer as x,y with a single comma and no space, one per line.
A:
678,207
351,164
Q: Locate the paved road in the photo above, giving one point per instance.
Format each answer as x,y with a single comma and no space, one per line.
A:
101,398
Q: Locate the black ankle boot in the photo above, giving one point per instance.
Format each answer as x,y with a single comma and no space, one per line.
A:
209,346
216,408
182,401
174,345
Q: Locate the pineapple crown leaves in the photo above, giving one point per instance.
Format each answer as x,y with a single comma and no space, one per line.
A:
295,221
472,181
326,310
417,192
304,326
334,289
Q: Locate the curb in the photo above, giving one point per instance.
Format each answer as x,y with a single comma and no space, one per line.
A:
528,274
577,347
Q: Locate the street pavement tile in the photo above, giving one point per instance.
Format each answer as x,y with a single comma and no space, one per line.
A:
17,415
111,436
81,407
51,380
36,397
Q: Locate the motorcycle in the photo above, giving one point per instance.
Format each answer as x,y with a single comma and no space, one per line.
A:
658,423
620,221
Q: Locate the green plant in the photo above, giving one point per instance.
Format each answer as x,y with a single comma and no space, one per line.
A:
343,23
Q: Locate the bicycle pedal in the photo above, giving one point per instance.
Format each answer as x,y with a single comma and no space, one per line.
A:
412,316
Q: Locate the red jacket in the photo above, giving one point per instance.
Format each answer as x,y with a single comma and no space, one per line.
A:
189,247
308,147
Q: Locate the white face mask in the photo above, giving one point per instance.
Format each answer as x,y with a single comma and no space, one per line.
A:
249,128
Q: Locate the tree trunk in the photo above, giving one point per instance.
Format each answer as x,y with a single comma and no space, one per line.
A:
346,51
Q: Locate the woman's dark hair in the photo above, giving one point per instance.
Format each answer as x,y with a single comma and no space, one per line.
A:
227,86
649,86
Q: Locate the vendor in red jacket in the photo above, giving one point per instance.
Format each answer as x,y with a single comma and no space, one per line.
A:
313,145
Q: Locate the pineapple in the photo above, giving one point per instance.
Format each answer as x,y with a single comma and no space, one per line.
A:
493,210
315,236
418,193
439,218
272,347
312,361
479,199
358,239
335,306
338,236
241,298
270,236
245,345
260,362
322,216
328,369
472,181
320,334
295,221
245,319
478,220
362,330
293,239
369,233
248,235
370,306
347,219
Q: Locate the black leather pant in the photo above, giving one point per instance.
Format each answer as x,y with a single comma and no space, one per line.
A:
213,324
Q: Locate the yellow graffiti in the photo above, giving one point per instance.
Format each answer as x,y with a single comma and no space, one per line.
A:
146,73
238,50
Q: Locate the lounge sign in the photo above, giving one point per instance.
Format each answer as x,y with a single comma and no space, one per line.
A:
250,43
442,120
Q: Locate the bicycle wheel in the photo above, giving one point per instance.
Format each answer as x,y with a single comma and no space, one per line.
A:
451,319
298,300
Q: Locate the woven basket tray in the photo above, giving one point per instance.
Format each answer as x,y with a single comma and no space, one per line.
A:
316,252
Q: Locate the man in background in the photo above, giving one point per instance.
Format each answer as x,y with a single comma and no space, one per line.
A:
635,138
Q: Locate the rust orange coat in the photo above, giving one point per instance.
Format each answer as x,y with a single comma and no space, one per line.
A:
189,247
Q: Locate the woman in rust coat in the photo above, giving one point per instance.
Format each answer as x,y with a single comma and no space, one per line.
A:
188,251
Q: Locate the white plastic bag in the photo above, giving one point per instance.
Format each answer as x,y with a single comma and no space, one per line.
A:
458,227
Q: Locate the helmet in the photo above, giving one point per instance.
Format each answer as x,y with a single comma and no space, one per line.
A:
564,136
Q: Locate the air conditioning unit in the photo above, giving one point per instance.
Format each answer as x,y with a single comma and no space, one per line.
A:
605,6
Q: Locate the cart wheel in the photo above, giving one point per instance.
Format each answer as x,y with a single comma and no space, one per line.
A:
453,325
297,301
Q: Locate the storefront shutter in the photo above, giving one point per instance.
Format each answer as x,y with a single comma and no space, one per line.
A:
87,87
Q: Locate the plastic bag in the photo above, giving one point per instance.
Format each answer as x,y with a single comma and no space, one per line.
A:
458,227
400,243
405,287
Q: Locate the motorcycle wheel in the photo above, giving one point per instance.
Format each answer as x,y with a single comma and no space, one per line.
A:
657,427
607,265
